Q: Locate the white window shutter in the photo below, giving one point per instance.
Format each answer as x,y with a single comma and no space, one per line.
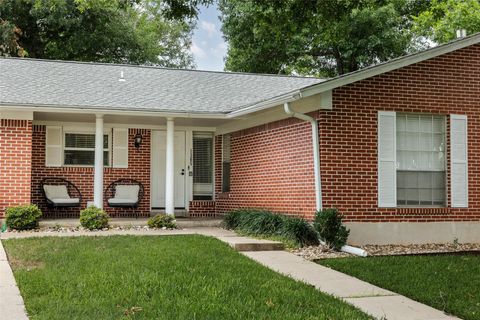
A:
459,161
387,171
53,146
120,148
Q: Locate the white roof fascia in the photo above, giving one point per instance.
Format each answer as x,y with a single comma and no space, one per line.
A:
119,112
288,97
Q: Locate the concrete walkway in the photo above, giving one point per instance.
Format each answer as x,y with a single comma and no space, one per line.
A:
11,302
378,302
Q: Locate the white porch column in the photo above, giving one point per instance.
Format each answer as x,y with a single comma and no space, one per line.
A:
170,167
98,172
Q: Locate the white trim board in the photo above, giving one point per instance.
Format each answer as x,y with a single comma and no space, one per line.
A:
83,125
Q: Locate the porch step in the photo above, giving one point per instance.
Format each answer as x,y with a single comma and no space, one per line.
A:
249,244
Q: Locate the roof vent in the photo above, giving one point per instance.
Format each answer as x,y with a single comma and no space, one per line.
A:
461,33
121,77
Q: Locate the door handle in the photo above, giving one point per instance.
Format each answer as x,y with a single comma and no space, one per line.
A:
182,172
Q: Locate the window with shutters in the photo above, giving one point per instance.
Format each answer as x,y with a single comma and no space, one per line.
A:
421,178
226,162
79,149
202,166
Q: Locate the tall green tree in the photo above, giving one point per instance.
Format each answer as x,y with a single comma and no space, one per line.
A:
316,37
444,17
134,31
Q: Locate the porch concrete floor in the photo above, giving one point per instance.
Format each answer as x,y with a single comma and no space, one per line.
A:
132,222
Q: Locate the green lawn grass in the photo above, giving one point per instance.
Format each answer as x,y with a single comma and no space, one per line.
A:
445,282
168,277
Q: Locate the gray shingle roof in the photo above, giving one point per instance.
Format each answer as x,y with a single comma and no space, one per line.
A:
93,85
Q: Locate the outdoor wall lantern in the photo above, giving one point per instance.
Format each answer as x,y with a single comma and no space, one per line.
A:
138,140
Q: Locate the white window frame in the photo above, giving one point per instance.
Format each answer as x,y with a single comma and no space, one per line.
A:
89,132
212,191
445,170
223,161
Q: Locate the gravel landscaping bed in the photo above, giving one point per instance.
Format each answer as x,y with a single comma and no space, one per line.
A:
390,250
82,229
319,252
323,252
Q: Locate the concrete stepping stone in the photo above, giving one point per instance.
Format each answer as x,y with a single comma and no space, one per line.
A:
249,244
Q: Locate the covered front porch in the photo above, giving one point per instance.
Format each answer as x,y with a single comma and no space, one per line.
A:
171,156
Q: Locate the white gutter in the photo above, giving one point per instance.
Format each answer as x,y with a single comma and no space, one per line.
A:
316,151
288,97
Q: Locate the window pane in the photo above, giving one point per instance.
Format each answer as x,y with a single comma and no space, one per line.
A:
425,196
421,188
438,124
438,180
438,196
84,141
425,142
420,142
83,158
438,142
76,140
226,157
401,197
411,180
226,177
202,159
79,157
424,180
425,123
401,122
226,148
412,197
412,123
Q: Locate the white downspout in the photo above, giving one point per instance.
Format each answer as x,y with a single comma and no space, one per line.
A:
316,151
316,167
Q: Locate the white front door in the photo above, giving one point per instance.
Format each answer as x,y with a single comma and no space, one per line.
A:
159,139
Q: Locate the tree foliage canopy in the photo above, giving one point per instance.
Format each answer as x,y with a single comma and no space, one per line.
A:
444,17
321,37
131,31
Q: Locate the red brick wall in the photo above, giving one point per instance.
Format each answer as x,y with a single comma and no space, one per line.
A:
82,177
272,164
202,209
445,85
15,162
271,167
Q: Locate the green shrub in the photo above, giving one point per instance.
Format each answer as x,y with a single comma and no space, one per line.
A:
259,222
23,217
162,221
94,218
328,224
265,223
300,231
231,220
